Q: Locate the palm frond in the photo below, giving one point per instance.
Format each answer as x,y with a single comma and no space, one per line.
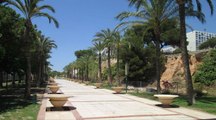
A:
199,15
199,6
125,15
50,18
211,6
19,5
48,7
128,24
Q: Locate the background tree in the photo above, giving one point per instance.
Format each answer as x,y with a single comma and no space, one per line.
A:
11,27
107,38
139,55
30,9
84,59
99,47
153,13
117,42
206,73
43,47
210,43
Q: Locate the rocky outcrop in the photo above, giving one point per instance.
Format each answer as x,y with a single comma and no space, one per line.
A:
175,69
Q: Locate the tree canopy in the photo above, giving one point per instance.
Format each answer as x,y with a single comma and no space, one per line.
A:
210,43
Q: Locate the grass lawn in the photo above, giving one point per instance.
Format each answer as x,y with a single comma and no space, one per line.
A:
13,106
205,104
28,112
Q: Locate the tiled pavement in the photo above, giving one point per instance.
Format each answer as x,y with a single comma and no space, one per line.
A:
88,103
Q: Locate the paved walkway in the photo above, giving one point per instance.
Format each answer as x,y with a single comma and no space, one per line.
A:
101,104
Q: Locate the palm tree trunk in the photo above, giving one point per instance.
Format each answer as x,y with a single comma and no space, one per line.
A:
158,54
109,67
28,76
87,72
158,70
82,74
119,82
78,76
185,52
99,68
43,72
27,44
14,78
39,73
1,79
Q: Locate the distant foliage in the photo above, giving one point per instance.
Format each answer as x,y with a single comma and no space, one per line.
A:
81,53
206,73
210,43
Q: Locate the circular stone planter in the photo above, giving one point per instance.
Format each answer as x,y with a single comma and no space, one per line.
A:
58,100
53,84
87,83
98,85
166,99
53,88
117,89
51,80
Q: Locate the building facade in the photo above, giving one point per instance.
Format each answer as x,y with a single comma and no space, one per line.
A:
195,38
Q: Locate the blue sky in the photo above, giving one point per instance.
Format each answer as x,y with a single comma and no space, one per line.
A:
81,19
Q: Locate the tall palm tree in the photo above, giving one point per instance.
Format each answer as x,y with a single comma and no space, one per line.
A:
31,9
99,47
152,13
106,37
183,4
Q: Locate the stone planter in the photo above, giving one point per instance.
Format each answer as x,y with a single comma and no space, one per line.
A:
117,89
53,88
98,85
86,83
166,99
58,100
51,80
53,84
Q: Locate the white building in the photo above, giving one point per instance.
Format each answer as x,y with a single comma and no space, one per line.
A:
195,38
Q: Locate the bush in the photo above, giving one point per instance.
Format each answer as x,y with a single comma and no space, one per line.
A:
206,73
178,50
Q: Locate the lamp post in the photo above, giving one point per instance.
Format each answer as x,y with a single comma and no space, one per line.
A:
126,75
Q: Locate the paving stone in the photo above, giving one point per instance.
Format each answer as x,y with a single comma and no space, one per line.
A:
101,104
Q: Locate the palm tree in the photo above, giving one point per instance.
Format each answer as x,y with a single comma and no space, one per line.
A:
81,67
183,4
117,40
99,47
152,13
31,9
106,37
44,46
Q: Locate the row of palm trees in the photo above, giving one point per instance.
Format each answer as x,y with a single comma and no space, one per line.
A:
153,15
109,39
31,9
